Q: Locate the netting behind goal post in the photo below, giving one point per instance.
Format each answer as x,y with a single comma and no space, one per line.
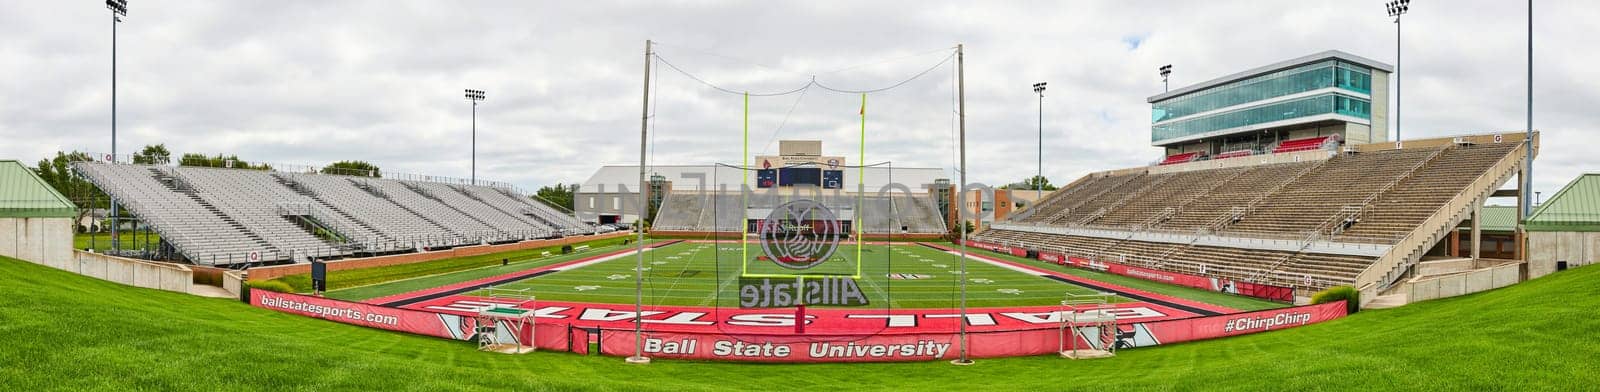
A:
803,242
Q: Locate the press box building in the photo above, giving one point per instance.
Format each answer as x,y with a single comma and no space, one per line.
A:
1304,103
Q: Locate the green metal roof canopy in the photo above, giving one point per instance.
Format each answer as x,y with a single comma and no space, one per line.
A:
1496,219
24,195
1575,208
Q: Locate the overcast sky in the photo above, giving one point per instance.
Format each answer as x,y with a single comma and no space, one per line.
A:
310,82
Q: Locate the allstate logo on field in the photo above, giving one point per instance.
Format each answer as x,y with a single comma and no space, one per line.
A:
800,234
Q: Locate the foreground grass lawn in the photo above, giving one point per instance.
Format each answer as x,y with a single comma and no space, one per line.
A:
60,331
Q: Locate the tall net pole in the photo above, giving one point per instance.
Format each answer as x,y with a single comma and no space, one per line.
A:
961,198
116,236
638,269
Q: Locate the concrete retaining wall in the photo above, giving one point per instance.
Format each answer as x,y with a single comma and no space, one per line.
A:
1263,159
233,282
139,273
273,272
46,241
1445,286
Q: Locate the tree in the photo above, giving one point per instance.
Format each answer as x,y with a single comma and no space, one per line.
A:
1032,183
353,168
153,154
220,160
58,173
559,195
955,233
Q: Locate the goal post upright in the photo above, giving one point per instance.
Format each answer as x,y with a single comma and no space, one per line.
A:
861,184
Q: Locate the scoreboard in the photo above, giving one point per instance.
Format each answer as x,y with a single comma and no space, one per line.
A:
792,176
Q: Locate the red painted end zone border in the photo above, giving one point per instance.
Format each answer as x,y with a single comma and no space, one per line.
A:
781,348
835,322
510,276
1224,285
1117,288
766,335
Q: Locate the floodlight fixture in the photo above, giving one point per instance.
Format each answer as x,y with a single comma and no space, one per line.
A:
118,7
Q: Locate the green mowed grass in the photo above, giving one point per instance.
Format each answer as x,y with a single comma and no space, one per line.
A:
63,332
102,241
703,274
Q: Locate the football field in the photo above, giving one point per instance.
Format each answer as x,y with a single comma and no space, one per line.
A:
900,275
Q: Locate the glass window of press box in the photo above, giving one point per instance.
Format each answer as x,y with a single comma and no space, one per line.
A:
1303,107
1327,74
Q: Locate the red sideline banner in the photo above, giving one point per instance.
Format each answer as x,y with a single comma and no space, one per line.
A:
1277,293
448,326
371,316
799,348
937,346
1202,328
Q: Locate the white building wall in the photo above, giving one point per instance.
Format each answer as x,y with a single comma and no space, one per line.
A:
1545,248
46,241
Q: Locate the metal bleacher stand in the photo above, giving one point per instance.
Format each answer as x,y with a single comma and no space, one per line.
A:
226,216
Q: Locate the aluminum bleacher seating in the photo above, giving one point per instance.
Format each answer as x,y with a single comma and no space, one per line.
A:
897,214
1368,200
215,216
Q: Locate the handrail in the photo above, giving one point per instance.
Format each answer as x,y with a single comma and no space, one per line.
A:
1251,206
1394,259
1366,203
135,207
282,167
1096,195
1212,188
1106,210
1156,219
1055,196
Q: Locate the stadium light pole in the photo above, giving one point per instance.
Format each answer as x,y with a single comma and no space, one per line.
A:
475,96
119,9
1396,9
1166,70
1527,171
1038,186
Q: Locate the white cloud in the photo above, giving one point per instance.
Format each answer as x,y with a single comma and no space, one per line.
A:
314,82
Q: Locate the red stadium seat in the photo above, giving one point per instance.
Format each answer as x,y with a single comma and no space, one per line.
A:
1310,143
1181,158
1233,154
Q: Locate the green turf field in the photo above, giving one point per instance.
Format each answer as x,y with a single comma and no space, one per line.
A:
64,332
1239,302
404,274
453,271
700,274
